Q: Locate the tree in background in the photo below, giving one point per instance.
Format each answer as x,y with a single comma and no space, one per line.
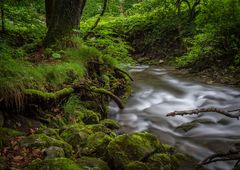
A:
62,17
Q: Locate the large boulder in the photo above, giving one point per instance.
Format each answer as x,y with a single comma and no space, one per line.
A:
131,147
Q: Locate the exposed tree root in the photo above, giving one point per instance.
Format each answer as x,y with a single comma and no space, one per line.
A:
124,72
52,96
49,96
116,99
231,155
201,110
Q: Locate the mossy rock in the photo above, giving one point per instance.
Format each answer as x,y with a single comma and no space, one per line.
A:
110,123
91,117
131,147
53,164
136,165
100,128
163,161
92,163
75,117
6,134
49,132
195,123
96,144
75,136
44,141
54,152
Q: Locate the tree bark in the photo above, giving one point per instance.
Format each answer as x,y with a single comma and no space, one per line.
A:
2,15
62,17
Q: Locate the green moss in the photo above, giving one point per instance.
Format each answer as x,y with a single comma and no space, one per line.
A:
110,123
53,164
163,161
49,96
136,165
76,136
100,128
91,117
73,110
96,144
92,163
6,134
130,147
54,152
49,132
44,141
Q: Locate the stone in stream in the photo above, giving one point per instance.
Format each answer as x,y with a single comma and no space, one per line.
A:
185,127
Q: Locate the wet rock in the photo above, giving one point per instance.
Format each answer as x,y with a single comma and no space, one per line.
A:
110,123
44,141
185,127
131,147
53,164
54,152
92,163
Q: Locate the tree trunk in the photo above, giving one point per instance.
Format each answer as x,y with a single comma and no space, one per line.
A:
61,18
2,15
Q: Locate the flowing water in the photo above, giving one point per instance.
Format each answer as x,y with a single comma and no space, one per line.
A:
157,92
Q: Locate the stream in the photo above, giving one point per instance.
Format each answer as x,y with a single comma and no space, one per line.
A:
157,92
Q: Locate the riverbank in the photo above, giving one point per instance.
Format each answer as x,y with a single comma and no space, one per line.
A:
213,75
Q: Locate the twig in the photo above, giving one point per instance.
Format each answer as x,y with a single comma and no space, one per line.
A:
202,110
231,155
98,20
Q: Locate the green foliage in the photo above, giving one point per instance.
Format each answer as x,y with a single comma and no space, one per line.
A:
216,34
72,105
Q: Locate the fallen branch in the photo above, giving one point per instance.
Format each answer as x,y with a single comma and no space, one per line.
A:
202,110
231,155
